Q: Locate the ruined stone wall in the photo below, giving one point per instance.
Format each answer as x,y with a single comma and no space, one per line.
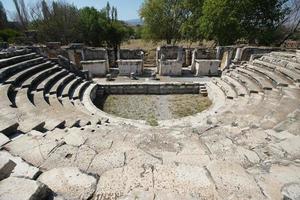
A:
170,52
204,53
246,52
149,88
90,53
207,67
128,54
170,68
95,68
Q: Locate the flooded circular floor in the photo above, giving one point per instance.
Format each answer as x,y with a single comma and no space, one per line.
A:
152,108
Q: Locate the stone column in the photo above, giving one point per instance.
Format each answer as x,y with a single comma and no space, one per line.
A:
157,59
219,52
193,67
179,54
238,55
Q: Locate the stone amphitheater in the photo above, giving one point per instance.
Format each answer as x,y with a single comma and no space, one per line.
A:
56,144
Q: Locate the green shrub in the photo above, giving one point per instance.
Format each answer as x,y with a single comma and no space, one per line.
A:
9,35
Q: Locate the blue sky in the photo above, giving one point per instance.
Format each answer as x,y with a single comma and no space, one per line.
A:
127,9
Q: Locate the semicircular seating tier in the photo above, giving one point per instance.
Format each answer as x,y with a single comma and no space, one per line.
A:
246,146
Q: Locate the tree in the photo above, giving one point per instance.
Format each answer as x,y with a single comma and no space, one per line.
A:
163,19
3,17
190,29
116,31
255,21
292,22
9,35
58,22
260,20
219,21
92,26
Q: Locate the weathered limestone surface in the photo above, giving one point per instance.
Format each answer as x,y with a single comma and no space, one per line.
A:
184,179
69,182
169,60
70,156
22,169
291,191
98,68
75,137
107,160
207,67
3,139
233,182
298,55
245,147
170,68
130,61
33,149
126,67
14,188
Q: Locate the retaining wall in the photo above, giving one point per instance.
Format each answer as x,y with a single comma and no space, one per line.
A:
149,88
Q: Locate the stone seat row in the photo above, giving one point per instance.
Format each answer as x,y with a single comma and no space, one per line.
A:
258,76
271,94
39,94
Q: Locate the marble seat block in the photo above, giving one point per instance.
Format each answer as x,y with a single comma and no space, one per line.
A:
170,68
207,67
130,61
126,67
95,67
169,60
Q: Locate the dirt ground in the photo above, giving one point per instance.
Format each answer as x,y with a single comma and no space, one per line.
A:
152,108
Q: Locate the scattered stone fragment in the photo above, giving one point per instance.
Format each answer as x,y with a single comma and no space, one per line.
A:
69,182
14,188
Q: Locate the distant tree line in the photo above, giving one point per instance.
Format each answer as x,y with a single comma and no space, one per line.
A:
63,22
226,22
267,22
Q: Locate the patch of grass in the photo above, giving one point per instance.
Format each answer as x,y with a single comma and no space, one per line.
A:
186,105
152,121
153,108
